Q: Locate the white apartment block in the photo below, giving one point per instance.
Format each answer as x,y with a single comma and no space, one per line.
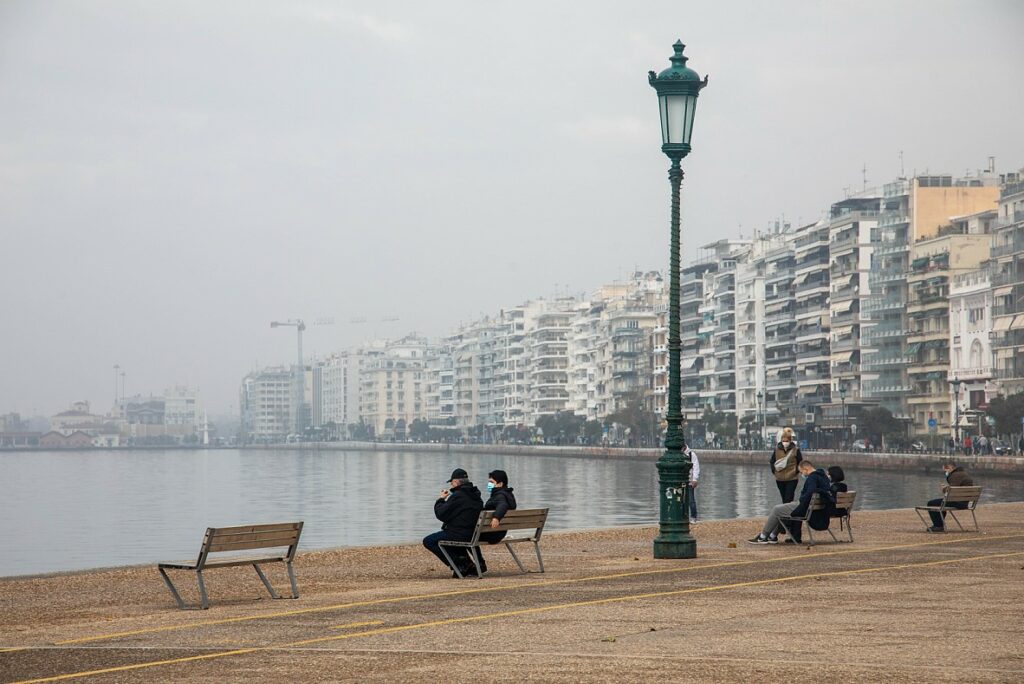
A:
970,343
266,403
813,321
547,347
335,396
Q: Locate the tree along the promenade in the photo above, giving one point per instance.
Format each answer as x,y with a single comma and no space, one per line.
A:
878,424
561,428
642,423
1007,412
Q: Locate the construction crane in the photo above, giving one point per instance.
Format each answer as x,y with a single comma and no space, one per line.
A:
299,381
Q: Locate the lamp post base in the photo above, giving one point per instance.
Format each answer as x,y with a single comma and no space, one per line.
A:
684,546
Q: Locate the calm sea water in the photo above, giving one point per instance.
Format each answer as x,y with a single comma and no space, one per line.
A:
77,510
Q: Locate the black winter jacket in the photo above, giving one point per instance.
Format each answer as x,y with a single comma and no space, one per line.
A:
816,483
460,511
501,502
836,488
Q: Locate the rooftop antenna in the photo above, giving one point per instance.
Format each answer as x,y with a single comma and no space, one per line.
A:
903,173
991,164
864,175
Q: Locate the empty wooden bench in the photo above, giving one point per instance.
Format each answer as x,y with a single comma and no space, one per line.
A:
221,540
531,519
844,500
966,499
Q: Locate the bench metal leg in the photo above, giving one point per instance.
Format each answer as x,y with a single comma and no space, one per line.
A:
174,591
976,528
927,523
472,552
291,579
266,583
451,563
203,601
540,561
849,529
955,519
515,557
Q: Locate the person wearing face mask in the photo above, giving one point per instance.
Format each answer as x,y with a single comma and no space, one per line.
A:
955,477
501,501
784,463
458,509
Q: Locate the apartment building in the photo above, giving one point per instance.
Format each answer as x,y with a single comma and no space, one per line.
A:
955,248
1007,264
335,390
393,386
780,333
547,361
970,344
265,401
658,346
694,331
911,210
812,316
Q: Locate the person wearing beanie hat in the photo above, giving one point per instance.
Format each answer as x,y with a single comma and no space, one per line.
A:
501,501
458,509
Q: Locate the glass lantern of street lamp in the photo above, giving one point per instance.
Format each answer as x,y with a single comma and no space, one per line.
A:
677,88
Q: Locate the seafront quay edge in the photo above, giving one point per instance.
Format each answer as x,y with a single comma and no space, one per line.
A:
870,460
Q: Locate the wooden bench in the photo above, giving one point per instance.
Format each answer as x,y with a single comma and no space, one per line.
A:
968,496
242,538
519,519
843,500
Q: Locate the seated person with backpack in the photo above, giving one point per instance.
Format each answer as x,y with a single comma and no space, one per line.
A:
837,477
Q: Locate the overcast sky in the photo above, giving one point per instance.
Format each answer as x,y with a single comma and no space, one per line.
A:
175,175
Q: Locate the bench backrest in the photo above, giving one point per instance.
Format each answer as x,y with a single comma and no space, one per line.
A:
968,495
846,500
249,537
519,519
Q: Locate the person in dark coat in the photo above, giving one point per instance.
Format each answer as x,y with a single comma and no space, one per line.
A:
501,501
955,477
458,509
785,463
838,480
816,482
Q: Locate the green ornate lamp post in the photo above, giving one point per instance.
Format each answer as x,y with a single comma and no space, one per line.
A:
677,88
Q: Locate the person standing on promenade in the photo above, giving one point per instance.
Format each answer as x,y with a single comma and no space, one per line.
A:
458,509
784,463
968,446
816,482
1020,445
501,501
691,488
955,477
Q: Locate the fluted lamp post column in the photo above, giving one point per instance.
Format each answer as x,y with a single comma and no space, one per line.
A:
677,88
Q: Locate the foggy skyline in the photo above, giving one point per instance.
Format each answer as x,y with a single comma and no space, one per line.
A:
175,176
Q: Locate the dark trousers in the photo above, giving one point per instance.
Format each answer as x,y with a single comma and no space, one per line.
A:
692,495
937,520
787,488
459,555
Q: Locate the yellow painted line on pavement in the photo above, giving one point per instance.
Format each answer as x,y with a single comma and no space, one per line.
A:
521,585
350,625
522,611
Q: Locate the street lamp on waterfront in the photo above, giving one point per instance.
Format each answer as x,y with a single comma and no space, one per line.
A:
760,419
677,88
956,407
842,395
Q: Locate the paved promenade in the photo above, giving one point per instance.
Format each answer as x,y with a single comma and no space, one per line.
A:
898,605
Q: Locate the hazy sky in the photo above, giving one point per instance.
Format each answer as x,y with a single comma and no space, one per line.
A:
175,175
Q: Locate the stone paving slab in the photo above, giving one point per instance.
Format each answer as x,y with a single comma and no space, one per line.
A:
897,605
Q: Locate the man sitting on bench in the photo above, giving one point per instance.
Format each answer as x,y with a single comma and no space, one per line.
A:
458,509
955,477
815,482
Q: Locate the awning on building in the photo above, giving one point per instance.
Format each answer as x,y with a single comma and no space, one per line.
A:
919,262
1018,323
810,322
936,344
843,331
1002,291
842,281
843,307
934,375
1003,324
689,363
800,278
845,357
912,349
806,390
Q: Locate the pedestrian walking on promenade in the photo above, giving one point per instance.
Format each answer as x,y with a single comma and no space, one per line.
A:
1020,445
784,463
955,477
691,488
501,501
968,446
458,509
